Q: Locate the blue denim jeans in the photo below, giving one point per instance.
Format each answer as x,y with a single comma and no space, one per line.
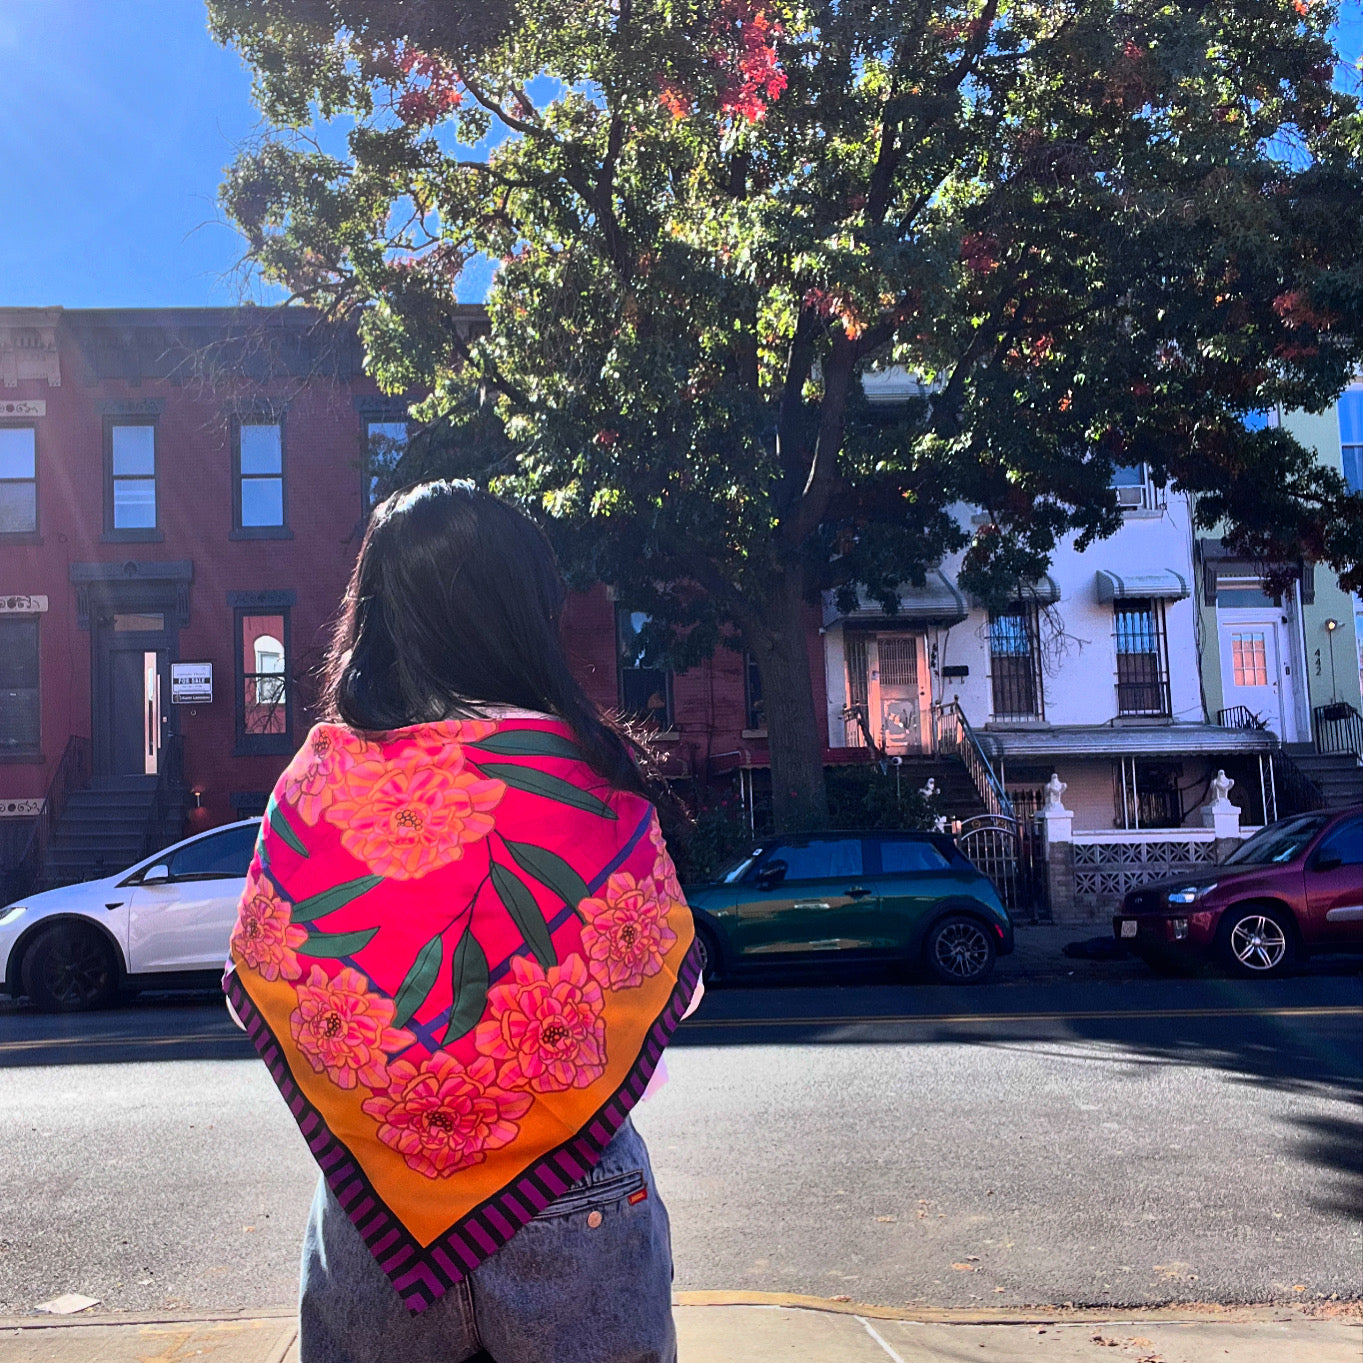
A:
588,1280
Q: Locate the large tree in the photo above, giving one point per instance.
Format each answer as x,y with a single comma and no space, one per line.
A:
1099,233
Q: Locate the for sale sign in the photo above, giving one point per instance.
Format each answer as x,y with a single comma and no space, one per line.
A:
191,683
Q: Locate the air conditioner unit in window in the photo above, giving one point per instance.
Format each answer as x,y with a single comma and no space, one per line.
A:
1131,496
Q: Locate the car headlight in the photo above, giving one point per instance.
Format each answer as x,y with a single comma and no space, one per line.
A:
9,914
1190,894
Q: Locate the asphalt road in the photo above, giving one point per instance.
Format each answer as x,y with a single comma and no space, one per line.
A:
1104,1139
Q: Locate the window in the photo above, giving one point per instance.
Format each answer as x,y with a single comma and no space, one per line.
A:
902,854
1148,794
645,690
260,477
18,686
18,480
1244,593
1135,491
385,444
755,703
1351,438
820,860
1142,657
264,692
1015,662
222,856
132,478
1344,842
1249,658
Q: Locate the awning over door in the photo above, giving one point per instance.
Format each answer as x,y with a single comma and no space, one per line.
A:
936,602
1163,582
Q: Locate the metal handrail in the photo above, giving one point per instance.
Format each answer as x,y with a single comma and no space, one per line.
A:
1338,728
74,771
1239,717
951,733
169,787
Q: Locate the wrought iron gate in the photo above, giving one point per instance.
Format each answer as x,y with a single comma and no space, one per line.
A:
1008,851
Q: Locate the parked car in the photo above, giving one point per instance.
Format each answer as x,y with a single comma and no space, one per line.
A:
163,923
1293,888
912,899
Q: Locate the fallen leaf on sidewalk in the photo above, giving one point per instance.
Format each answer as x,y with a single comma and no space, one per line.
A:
885,1218
840,1299
67,1304
965,1268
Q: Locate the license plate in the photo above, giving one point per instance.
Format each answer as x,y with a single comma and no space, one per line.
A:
1129,928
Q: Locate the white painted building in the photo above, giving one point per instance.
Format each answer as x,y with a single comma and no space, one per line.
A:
1094,673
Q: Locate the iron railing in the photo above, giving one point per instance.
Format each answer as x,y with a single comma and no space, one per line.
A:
1239,717
1285,788
952,734
74,771
1338,728
170,784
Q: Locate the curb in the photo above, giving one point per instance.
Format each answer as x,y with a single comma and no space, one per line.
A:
1173,1313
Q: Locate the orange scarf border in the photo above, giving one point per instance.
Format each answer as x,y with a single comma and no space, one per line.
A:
422,1276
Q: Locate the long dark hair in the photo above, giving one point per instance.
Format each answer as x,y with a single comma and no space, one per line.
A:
455,600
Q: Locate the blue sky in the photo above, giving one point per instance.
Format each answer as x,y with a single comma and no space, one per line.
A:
116,120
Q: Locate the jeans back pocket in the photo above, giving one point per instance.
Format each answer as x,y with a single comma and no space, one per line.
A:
585,1197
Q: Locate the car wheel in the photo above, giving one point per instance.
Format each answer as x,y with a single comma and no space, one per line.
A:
959,950
1257,941
709,956
70,969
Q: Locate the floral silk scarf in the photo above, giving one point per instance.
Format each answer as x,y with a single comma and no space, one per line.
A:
460,954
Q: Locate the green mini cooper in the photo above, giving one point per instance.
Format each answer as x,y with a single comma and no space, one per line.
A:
906,898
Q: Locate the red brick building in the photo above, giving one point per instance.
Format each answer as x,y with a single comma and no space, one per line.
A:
189,487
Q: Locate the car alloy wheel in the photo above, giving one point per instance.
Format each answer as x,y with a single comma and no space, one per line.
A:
1258,943
69,970
959,950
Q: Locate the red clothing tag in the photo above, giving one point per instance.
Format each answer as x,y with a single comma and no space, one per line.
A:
637,1197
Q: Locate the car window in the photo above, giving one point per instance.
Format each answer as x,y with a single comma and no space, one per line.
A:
1344,842
820,860
902,854
1279,842
224,854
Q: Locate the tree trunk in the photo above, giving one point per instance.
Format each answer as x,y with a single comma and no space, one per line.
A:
799,799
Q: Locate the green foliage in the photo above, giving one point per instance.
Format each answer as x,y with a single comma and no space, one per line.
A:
1102,234
704,841
866,797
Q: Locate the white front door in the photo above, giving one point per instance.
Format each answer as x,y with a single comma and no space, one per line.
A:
1253,673
899,691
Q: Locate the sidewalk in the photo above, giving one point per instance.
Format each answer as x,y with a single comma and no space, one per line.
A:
727,1327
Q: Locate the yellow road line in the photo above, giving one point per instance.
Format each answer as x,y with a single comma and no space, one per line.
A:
1303,1011
1331,1010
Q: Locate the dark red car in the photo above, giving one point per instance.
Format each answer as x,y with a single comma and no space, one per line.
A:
1294,888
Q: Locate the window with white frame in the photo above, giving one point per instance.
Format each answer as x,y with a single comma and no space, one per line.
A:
260,475
131,505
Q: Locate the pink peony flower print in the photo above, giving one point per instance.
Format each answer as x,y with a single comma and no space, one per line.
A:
342,1028
442,1117
664,872
263,937
404,821
625,932
546,1027
314,777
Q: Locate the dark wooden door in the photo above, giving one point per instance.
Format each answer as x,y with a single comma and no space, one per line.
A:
127,713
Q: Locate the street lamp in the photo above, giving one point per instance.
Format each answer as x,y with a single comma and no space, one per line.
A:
1330,627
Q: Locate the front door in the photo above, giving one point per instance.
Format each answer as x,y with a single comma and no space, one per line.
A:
131,683
1253,672
899,690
